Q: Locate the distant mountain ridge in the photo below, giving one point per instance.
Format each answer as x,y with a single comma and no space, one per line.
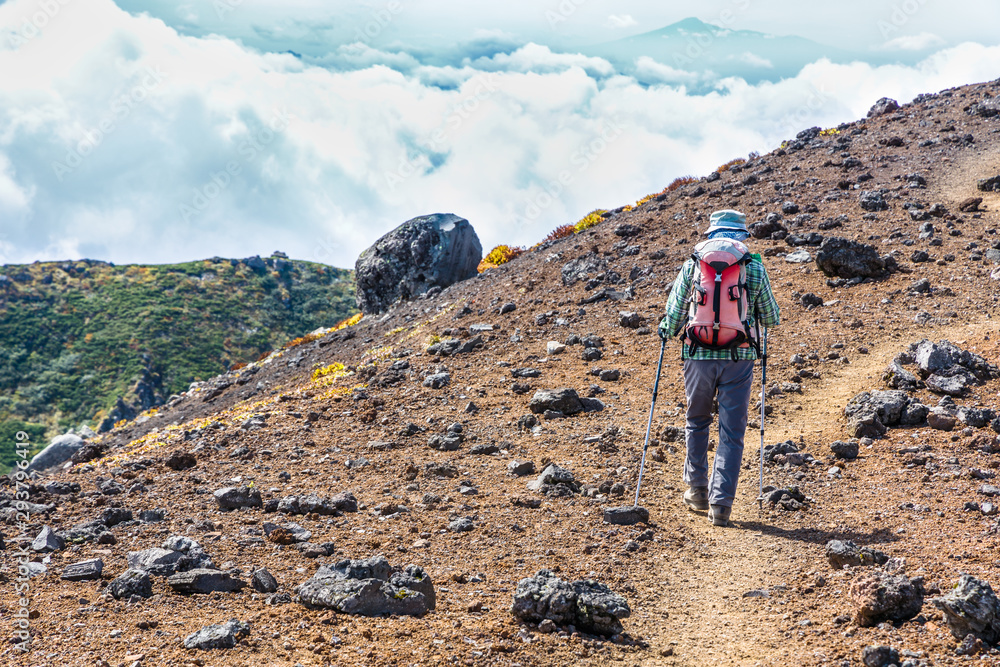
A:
79,338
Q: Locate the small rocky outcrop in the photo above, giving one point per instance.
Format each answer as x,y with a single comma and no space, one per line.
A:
236,498
432,251
844,258
880,596
369,587
178,554
841,554
555,481
204,581
883,106
131,582
586,604
869,414
562,402
59,450
224,635
971,607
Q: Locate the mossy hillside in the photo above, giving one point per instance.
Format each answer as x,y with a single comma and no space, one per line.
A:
74,336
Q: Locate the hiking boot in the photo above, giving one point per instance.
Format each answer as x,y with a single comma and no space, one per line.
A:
696,497
719,514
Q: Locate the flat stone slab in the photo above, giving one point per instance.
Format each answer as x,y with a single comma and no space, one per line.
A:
626,516
84,570
202,580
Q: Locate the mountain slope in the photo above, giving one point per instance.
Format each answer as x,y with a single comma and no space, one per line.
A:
356,410
75,337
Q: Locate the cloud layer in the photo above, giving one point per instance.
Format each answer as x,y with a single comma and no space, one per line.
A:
121,139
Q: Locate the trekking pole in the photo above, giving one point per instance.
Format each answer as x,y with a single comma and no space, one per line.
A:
649,424
763,396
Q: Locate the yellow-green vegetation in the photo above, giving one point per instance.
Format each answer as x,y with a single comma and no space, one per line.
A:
333,371
829,132
75,335
499,255
732,163
589,220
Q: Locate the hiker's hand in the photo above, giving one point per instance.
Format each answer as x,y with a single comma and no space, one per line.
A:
663,331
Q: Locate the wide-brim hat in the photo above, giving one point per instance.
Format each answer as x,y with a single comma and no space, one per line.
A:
728,220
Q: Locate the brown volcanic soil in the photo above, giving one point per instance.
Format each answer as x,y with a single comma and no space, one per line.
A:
686,585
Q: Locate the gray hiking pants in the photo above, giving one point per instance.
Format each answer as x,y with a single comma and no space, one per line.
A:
732,380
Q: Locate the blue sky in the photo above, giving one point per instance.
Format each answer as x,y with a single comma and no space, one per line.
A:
156,132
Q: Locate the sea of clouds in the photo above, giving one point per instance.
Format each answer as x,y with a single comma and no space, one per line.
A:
123,140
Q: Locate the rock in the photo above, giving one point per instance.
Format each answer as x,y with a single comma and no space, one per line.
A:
113,516
971,607
844,258
630,320
845,450
809,299
609,375
485,449
883,106
221,636
521,468
201,580
627,231
566,401
989,490
180,460
263,581
879,656
461,525
873,200
131,582
880,596
941,420
369,588
988,184
177,554
508,308
869,413
110,487
235,498
84,570
47,540
586,604
987,108
447,442
554,347
955,385
432,251
841,554
626,516
583,268
771,227
554,476
288,533
970,205
59,450
313,504
975,417
800,256
897,377
943,357
437,380
914,414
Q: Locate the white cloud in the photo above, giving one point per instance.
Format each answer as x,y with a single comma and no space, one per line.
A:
919,42
621,21
210,148
753,60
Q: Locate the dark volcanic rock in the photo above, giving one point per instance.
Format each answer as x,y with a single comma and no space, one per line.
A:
47,540
426,252
263,581
879,656
880,596
869,413
131,582
626,516
848,554
989,184
234,498
84,570
844,258
583,268
882,107
59,450
369,588
586,604
845,450
201,580
971,607
566,401
872,201
225,635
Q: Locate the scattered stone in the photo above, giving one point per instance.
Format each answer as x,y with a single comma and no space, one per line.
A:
225,635
879,656
508,308
369,588
841,554
566,401
204,581
461,525
263,581
437,380
132,582
873,200
427,253
989,184
47,540
59,450
883,106
971,607
84,570
880,596
554,347
800,256
626,516
235,498
941,420
970,205
180,460
630,320
845,450
869,413
555,481
586,604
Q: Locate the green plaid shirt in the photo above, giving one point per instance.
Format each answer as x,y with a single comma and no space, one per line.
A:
761,301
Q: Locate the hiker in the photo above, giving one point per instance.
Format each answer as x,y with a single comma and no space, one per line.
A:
717,313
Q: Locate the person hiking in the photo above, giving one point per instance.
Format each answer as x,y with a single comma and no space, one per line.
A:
721,295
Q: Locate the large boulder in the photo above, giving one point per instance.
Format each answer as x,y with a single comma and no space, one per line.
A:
870,412
588,605
59,450
883,106
881,596
423,253
844,258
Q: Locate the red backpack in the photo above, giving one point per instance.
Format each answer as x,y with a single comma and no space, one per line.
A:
719,315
